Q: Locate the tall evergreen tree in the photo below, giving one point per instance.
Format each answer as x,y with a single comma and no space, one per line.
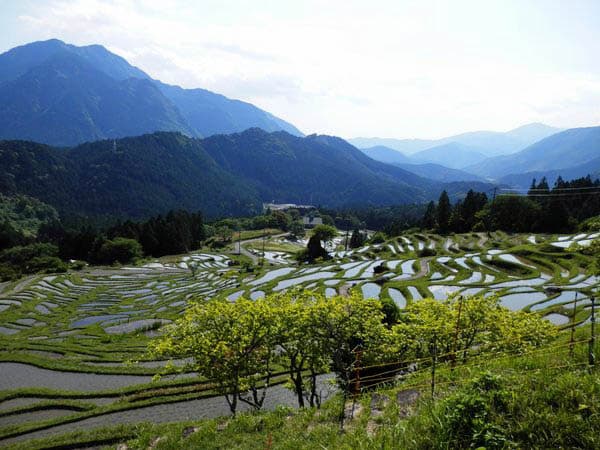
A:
444,209
429,219
357,239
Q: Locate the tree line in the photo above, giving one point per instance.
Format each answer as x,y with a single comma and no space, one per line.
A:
56,243
543,209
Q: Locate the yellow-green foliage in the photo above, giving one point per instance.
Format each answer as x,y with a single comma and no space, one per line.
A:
238,345
459,324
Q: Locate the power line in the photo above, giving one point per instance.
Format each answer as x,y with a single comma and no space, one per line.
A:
517,194
551,190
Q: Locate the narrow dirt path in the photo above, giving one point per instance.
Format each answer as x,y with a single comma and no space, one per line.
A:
483,238
424,268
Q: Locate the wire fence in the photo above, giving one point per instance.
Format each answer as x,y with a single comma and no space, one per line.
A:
361,378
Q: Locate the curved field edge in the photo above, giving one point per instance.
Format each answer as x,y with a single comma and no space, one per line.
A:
511,396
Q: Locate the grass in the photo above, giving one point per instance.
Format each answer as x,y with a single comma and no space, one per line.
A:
88,348
255,234
272,246
542,399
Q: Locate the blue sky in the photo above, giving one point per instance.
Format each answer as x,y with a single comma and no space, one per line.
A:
352,68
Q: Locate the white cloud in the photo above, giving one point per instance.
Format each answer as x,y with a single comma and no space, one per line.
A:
350,68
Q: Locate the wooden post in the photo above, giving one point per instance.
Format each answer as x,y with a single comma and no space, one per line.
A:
433,363
456,332
572,341
357,355
591,354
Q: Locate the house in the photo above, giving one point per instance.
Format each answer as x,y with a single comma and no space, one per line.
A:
311,222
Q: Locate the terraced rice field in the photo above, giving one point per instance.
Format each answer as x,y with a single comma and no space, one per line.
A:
73,345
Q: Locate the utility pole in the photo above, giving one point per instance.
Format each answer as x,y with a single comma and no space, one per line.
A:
263,245
346,246
495,189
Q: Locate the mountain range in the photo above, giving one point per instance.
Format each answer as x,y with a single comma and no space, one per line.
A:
87,132
563,150
60,94
489,143
571,153
220,175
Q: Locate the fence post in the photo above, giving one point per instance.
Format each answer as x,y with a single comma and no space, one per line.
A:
343,412
591,355
572,341
357,355
433,363
456,332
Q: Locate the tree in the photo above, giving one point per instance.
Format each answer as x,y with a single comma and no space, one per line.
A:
231,344
324,232
347,325
357,239
457,223
471,205
511,213
120,250
296,229
234,344
461,324
280,220
224,233
301,348
430,217
319,233
444,209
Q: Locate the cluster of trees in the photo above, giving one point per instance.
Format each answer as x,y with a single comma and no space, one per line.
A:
547,210
56,243
391,219
20,218
289,220
241,345
31,258
175,232
460,218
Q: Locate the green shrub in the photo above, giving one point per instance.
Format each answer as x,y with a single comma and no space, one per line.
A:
8,273
591,224
120,250
465,418
47,264
378,238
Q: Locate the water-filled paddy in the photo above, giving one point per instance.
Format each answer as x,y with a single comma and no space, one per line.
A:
74,315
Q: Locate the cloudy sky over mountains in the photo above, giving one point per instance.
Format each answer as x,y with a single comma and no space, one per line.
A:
378,68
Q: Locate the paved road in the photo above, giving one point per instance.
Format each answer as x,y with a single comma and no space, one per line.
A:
238,246
174,412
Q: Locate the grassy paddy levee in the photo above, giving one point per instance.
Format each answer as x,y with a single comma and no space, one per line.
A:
74,345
